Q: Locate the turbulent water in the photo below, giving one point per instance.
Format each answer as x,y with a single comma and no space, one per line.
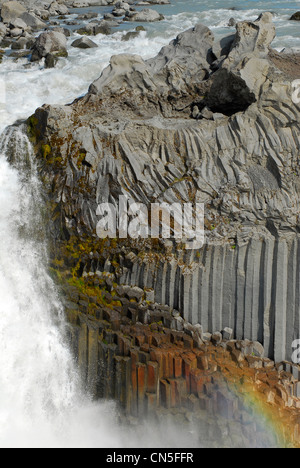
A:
41,400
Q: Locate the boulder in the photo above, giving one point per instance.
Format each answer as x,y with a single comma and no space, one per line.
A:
57,9
130,35
87,16
80,4
49,42
10,11
16,32
3,30
84,43
19,23
227,334
64,31
19,44
33,21
95,28
296,16
145,15
50,61
43,14
155,2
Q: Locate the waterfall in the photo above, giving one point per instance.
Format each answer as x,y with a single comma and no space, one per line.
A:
41,402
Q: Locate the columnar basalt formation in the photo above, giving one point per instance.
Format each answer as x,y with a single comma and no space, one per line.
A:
134,352
205,121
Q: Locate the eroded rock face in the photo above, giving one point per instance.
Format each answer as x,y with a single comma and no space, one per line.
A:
134,134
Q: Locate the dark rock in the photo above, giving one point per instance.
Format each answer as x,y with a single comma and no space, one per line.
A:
84,43
50,61
296,16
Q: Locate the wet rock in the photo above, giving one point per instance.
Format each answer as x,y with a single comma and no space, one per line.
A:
130,35
93,29
84,43
50,61
57,9
33,21
295,16
49,42
87,16
145,15
43,14
64,31
20,44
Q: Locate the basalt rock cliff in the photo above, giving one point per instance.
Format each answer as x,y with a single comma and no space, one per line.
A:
205,121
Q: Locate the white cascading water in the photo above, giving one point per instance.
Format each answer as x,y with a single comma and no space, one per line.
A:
41,403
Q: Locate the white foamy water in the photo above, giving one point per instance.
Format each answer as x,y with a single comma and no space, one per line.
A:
40,393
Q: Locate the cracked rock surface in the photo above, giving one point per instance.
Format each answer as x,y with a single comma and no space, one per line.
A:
204,121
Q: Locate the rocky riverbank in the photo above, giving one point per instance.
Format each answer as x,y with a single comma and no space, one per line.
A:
20,22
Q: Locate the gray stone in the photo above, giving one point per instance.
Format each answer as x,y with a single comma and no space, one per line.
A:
3,29
20,24
227,334
33,21
58,9
16,32
296,16
135,292
49,42
12,10
145,15
50,61
84,43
